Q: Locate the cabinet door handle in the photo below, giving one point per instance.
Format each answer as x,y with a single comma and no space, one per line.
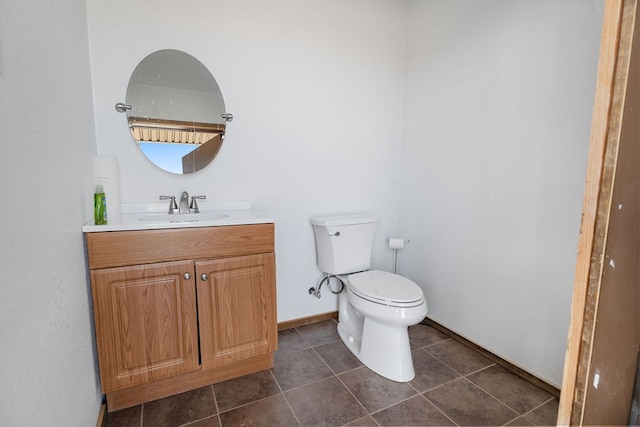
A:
187,276
204,277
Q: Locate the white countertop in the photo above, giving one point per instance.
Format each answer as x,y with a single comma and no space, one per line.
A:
151,217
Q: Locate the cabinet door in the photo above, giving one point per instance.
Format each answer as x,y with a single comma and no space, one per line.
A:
236,308
146,324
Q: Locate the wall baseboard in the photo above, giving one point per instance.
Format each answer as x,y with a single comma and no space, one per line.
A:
102,415
290,324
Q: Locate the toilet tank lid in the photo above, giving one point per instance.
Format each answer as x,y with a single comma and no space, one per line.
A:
334,220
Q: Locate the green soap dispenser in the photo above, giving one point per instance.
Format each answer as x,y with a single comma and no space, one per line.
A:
99,206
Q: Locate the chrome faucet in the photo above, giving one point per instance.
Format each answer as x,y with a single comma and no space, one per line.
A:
185,207
184,203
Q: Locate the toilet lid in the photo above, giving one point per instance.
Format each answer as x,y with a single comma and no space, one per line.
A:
386,288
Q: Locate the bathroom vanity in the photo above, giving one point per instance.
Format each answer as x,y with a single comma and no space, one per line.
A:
180,305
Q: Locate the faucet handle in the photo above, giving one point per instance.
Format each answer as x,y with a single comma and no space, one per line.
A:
194,204
172,204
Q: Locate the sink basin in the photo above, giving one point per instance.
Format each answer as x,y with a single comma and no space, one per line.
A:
185,217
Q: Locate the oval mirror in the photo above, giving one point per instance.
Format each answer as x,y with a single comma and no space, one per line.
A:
175,111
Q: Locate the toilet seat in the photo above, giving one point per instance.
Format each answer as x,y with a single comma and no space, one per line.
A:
386,288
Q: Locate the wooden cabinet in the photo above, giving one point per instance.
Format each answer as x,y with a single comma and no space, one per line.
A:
178,309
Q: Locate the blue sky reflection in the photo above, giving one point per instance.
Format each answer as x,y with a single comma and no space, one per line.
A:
167,156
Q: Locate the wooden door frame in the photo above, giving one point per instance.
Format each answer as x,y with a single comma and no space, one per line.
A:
617,33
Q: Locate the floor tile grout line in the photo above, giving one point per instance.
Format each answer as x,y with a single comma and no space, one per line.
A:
422,347
460,375
306,384
451,367
362,418
409,398
463,377
327,363
307,341
233,408
438,408
291,409
440,360
424,394
216,415
335,374
200,419
512,420
503,402
324,361
284,396
492,396
342,382
441,385
215,399
355,397
249,403
281,393
433,343
535,409
479,370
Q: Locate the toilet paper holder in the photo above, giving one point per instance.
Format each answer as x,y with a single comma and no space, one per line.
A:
396,243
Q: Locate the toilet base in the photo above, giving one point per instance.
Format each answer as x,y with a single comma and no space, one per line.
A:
382,348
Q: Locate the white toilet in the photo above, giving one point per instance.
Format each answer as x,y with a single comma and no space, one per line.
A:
376,307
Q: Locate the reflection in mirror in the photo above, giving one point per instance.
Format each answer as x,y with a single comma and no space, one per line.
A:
175,111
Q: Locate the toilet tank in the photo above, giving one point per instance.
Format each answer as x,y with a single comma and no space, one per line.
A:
344,242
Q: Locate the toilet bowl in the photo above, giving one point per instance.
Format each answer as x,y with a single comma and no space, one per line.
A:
375,307
375,310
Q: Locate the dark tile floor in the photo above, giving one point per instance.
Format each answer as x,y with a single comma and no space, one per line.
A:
316,381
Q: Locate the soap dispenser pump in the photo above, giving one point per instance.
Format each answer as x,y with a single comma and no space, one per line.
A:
99,206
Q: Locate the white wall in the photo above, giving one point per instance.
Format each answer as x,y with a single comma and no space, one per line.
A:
316,91
48,374
497,119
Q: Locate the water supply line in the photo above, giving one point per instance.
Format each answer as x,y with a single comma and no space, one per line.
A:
315,291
